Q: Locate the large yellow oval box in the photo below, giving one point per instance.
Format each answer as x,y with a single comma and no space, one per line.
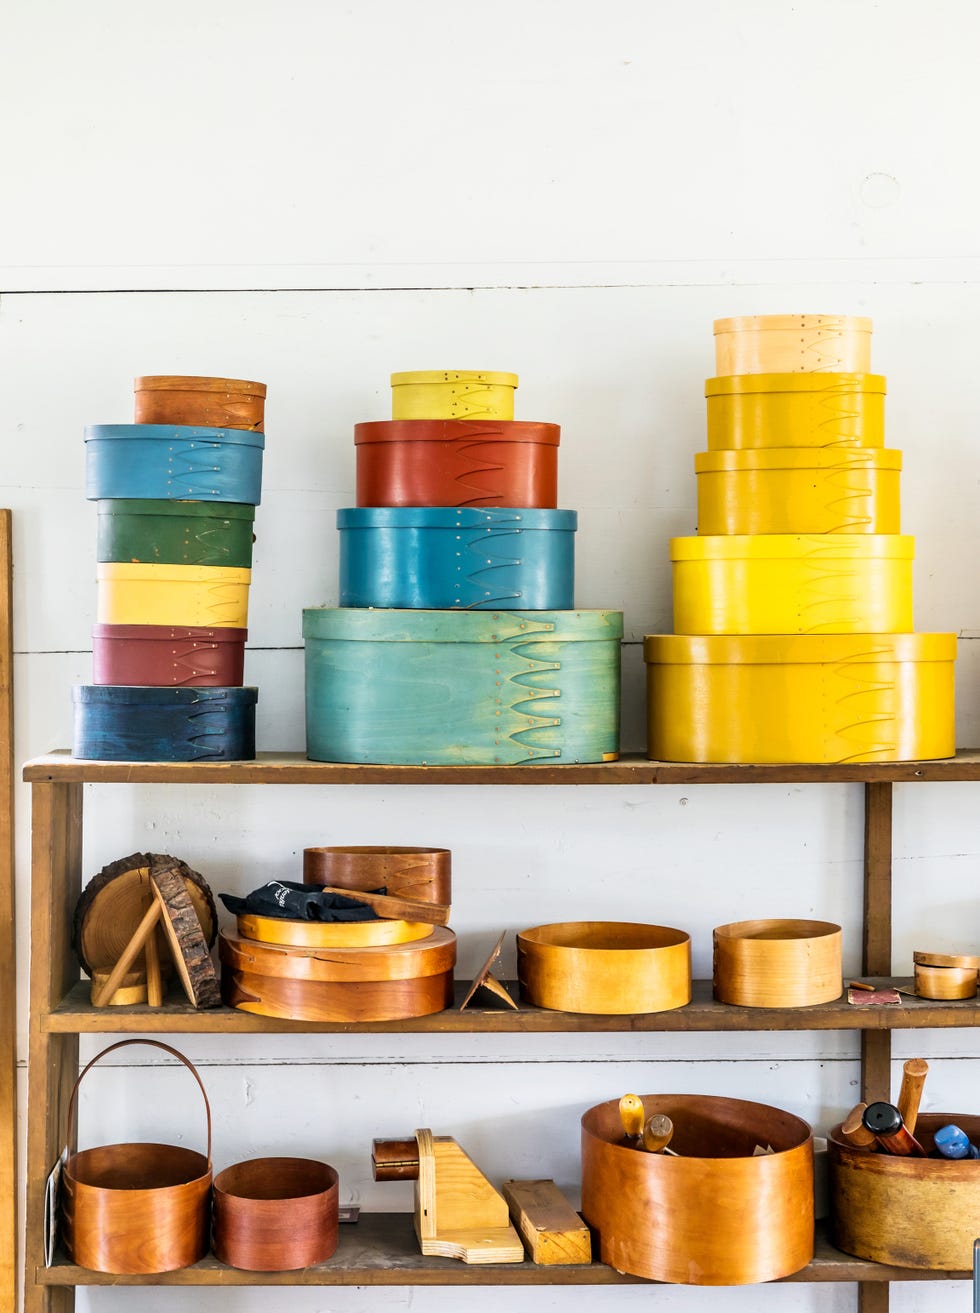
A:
793,584
798,490
822,698
453,394
795,410
793,344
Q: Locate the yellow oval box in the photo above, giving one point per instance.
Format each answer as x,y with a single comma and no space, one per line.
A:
795,410
452,394
786,583
793,344
823,698
798,490
202,596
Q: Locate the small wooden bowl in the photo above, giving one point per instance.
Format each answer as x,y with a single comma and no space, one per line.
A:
424,874
910,1212
715,1216
945,982
275,1214
619,967
777,963
330,934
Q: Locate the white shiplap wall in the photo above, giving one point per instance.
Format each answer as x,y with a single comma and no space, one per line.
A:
315,194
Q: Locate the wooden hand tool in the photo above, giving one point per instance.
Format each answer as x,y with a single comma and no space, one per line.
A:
632,1116
658,1131
395,909
854,1131
885,1121
910,1095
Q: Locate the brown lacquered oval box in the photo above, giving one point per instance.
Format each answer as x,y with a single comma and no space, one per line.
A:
421,874
221,403
716,1215
275,1214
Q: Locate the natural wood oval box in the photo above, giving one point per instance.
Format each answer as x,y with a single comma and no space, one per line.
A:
606,967
424,874
790,344
911,1212
777,963
226,403
713,1216
275,1214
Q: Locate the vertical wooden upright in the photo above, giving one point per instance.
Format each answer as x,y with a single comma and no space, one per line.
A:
8,970
876,1045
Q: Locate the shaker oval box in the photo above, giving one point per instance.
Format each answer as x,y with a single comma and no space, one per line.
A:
224,403
452,394
163,724
196,596
790,344
454,462
167,654
173,461
462,557
462,687
795,410
160,532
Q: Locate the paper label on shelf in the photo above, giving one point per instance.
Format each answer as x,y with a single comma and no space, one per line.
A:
52,1196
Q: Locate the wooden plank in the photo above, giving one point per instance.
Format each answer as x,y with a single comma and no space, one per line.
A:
294,768
8,967
552,1231
382,1250
873,1298
877,931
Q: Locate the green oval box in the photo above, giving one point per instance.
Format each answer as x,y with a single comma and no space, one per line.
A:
149,531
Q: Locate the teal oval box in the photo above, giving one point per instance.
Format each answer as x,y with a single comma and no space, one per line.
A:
462,688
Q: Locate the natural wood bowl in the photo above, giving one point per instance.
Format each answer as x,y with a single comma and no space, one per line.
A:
275,1214
945,982
713,1216
604,967
911,1212
223,403
777,963
330,934
423,874
792,344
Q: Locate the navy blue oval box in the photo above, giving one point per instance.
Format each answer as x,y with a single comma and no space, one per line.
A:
115,722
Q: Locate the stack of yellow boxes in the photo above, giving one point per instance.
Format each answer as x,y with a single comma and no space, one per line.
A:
793,621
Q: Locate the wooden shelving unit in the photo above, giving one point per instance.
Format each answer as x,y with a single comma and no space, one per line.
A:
381,1249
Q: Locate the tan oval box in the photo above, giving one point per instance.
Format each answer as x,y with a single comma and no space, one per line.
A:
793,344
610,967
779,963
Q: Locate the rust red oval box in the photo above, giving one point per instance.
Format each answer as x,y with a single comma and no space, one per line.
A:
167,655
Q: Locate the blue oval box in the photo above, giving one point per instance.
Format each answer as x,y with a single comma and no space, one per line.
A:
141,723
173,461
461,688
457,558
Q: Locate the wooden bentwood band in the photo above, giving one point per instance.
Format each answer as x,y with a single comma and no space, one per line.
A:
421,874
401,961
329,934
222,403
336,1001
777,963
275,1214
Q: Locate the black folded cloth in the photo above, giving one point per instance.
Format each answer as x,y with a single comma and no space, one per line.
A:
299,902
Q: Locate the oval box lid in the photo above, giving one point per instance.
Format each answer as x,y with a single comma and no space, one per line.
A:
390,625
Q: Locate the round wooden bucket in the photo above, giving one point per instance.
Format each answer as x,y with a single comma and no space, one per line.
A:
604,967
777,963
330,934
715,1215
189,596
911,1212
795,410
793,344
275,1214
168,654
224,403
154,531
452,394
420,874
795,490
453,462
137,1208
780,583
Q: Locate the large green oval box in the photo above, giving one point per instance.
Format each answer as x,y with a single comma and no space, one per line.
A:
440,688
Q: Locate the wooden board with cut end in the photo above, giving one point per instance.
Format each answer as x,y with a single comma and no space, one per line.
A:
552,1231
188,944
114,902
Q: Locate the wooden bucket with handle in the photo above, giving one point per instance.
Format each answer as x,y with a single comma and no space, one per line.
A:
136,1208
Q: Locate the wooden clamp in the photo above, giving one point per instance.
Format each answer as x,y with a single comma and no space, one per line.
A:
458,1213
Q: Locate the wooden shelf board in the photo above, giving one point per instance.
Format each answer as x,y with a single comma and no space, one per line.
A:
381,1250
76,1015
293,768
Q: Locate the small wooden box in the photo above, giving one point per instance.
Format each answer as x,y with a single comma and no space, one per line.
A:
179,461
160,532
113,723
188,596
791,344
226,403
777,963
453,394
747,411
168,654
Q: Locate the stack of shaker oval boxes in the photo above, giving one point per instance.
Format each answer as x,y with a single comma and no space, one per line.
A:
176,493
456,641
793,605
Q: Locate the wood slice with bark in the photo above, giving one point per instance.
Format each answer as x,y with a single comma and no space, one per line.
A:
182,926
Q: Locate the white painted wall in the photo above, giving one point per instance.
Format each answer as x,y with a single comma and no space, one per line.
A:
316,194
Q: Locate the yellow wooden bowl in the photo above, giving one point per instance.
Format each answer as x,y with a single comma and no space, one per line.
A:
793,344
780,963
791,490
330,934
196,596
452,394
795,410
780,583
606,967
800,698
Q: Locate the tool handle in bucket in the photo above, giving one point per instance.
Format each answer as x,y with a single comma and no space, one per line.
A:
153,1043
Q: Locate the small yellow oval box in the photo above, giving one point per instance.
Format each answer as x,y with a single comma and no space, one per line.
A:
785,583
197,596
793,344
799,490
811,698
452,394
795,410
